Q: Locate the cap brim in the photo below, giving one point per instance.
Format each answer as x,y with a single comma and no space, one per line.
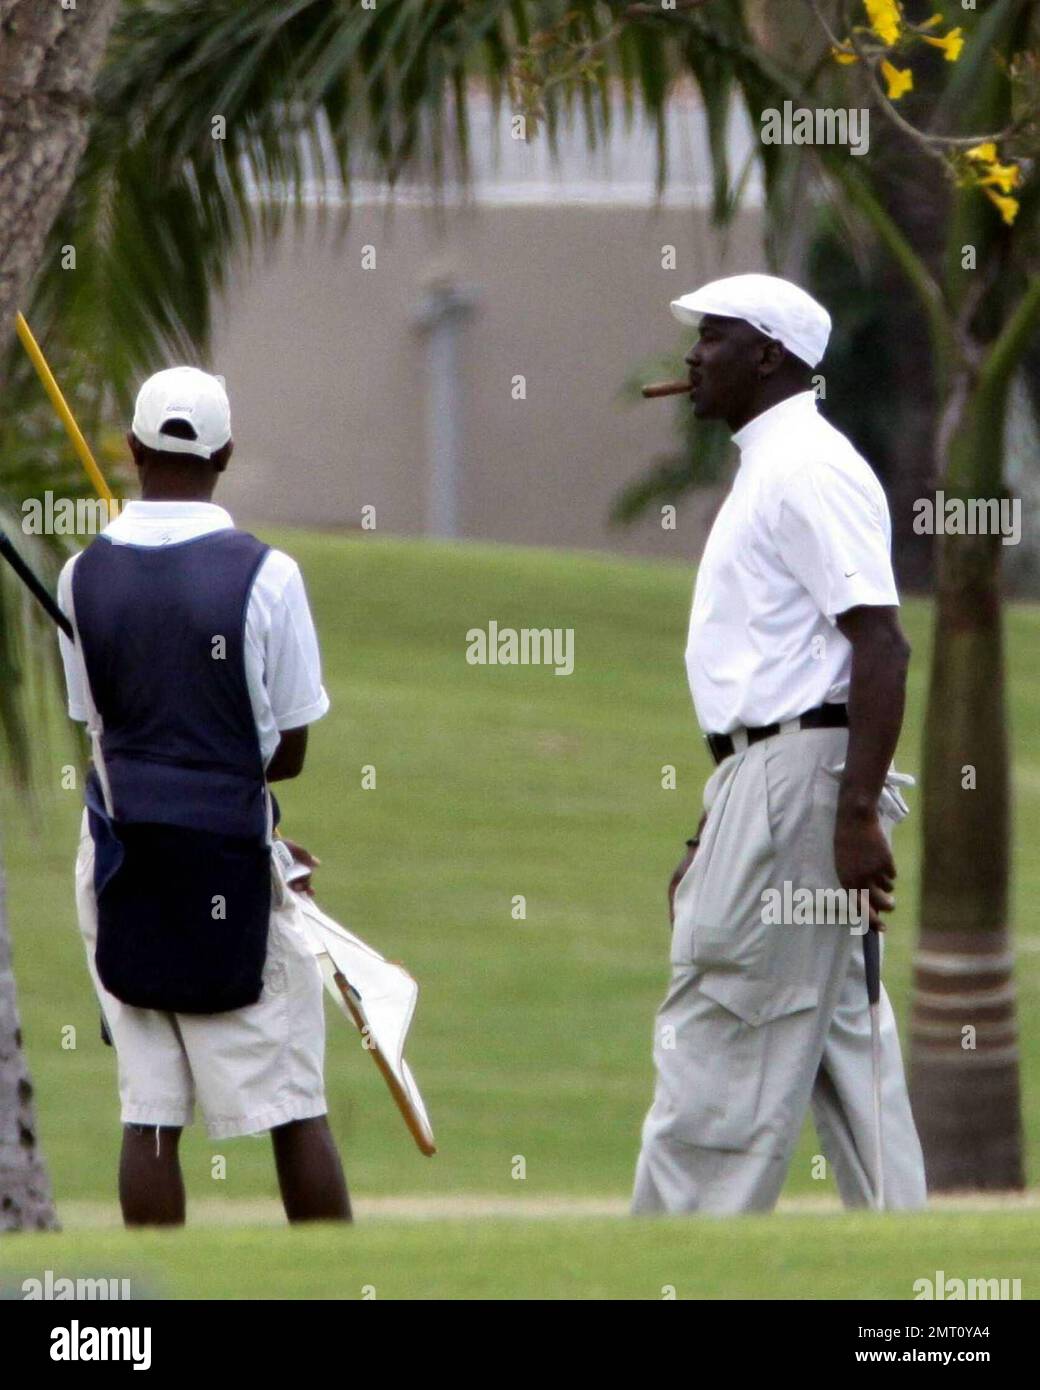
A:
690,309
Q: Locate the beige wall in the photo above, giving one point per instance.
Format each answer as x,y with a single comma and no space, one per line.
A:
326,368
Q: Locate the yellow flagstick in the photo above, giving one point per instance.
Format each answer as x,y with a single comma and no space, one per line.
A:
60,404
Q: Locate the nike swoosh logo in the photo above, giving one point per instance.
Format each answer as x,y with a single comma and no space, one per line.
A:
850,573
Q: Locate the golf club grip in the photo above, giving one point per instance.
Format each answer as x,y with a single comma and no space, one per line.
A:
872,965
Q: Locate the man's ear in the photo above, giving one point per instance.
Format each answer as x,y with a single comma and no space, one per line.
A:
136,447
222,457
773,354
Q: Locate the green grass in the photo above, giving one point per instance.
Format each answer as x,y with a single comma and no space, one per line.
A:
532,1037
837,1257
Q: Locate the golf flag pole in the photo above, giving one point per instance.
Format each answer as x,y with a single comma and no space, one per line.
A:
82,448
418,1125
376,995
60,404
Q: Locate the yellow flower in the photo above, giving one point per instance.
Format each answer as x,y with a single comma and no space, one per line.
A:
1008,206
899,80
885,19
951,44
993,173
844,55
1004,176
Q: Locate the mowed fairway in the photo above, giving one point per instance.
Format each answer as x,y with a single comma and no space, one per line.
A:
532,1039
850,1257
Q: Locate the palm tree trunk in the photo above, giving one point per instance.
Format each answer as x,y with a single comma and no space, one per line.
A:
49,61
25,1190
964,1051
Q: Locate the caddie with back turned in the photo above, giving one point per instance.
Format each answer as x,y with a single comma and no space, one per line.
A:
797,665
195,666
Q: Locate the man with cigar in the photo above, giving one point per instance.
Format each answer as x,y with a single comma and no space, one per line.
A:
797,666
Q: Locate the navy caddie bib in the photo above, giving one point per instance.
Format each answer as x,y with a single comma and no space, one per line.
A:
182,861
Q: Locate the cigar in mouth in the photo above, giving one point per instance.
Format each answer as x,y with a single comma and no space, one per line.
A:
666,388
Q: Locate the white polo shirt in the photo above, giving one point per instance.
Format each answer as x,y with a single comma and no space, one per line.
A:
283,664
803,536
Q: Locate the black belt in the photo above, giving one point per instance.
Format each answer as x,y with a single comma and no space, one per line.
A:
822,717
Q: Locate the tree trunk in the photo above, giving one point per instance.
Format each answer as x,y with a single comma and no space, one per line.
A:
49,60
964,1050
915,192
25,1190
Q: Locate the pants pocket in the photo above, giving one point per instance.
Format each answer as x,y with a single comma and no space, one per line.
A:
719,916
815,856
814,845
710,1052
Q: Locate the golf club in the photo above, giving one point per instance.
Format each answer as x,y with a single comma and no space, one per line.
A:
872,965
34,586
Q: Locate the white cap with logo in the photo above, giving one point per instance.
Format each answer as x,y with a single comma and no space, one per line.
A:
778,308
189,395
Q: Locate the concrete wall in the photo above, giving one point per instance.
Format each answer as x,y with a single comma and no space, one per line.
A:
328,376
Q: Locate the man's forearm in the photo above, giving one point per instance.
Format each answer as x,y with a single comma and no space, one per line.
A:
876,700
288,758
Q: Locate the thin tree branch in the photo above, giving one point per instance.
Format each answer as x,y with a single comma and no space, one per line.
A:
1005,354
926,140
821,20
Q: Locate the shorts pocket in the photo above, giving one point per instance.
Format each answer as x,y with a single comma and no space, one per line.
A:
711,1065
276,974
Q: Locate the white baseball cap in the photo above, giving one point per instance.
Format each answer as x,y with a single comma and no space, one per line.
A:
778,308
183,393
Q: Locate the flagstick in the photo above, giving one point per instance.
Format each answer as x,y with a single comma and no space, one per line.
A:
60,404
396,1089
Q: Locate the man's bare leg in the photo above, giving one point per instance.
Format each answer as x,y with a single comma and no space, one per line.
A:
151,1186
310,1175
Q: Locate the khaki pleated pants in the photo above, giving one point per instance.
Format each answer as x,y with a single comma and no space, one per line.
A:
764,1020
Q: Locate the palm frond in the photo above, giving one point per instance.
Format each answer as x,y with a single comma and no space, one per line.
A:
312,94
30,663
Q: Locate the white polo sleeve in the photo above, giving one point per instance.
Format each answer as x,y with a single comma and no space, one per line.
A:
71,656
833,533
292,662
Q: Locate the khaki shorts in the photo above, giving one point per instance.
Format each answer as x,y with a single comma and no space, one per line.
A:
250,1069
